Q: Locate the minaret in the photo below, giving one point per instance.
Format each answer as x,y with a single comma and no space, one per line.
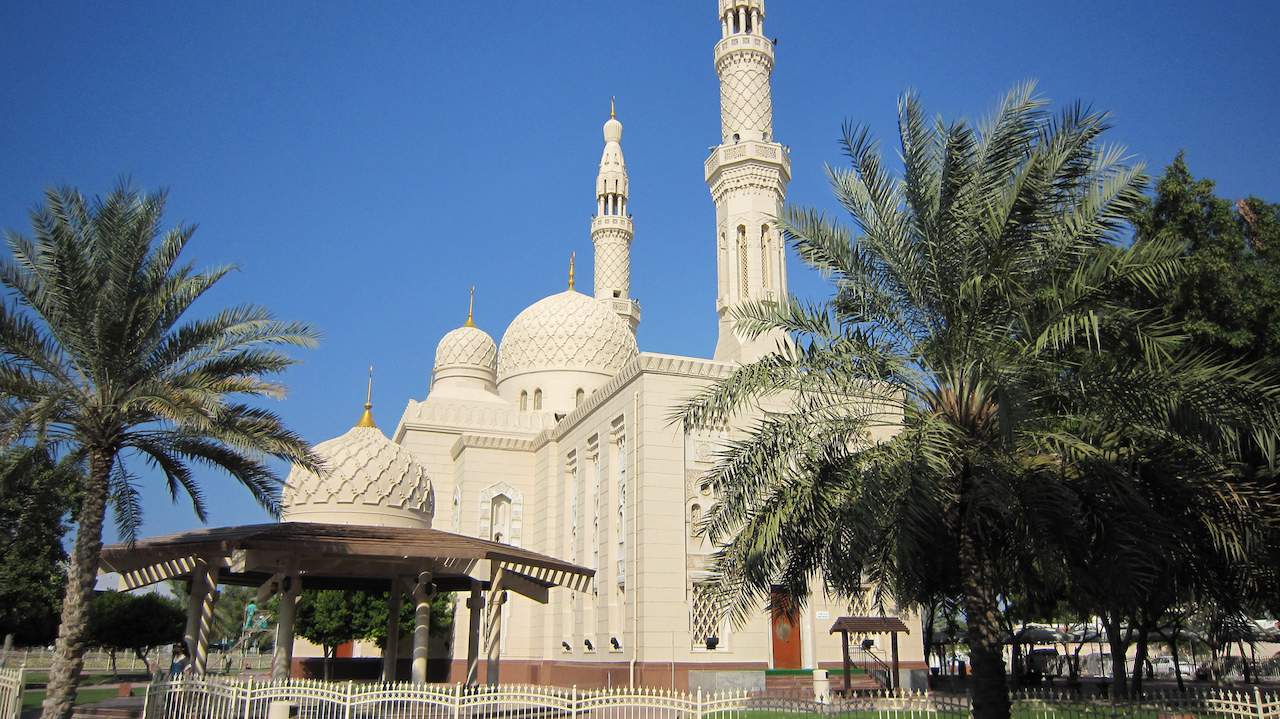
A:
747,175
612,229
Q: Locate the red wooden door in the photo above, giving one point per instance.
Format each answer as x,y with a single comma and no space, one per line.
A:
785,631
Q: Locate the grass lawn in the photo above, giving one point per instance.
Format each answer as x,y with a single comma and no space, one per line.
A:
32,699
1020,711
41,676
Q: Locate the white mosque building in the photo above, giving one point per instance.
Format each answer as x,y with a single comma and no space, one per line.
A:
558,438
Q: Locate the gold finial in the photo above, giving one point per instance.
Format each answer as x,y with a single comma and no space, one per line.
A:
366,419
613,108
571,256
471,306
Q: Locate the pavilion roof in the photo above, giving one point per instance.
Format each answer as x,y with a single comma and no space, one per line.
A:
869,625
338,556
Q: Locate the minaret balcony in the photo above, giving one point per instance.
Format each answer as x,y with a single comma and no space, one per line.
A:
743,42
615,222
745,151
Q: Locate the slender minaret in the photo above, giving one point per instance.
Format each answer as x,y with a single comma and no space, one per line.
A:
612,229
747,175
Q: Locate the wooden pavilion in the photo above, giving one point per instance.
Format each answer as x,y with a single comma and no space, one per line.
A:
284,557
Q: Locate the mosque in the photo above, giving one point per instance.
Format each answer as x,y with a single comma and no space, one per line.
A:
557,439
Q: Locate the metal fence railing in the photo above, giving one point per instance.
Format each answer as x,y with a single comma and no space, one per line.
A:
217,699
10,693
98,661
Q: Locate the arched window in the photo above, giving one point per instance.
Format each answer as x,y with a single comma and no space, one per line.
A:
742,262
765,266
537,399
524,400
500,517
578,397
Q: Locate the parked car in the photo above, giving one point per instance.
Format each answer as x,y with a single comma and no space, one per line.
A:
1164,668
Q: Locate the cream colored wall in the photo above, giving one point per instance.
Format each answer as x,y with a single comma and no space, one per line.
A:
662,466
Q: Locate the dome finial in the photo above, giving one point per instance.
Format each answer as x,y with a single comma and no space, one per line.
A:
571,256
366,419
471,306
613,108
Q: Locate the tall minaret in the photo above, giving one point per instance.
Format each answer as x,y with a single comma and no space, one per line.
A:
747,175
612,229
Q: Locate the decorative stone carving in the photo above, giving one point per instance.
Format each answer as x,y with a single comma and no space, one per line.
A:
568,331
469,346
487,495
368,478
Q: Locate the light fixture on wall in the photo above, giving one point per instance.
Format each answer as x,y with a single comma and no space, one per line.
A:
567,646
613,641
712,643
590,647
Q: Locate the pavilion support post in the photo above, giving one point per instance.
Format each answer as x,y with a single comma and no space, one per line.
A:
390,655
203,581
893,653
493,624
282,663
423,592
201,659
844,644
475,605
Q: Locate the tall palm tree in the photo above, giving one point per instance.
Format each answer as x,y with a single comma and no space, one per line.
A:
99,358
921,395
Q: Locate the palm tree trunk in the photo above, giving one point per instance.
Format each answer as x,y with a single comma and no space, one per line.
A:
1177,664
1119,647
82,574
1140,661
990,692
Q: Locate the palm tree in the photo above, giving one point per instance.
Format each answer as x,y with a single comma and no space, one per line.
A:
97,359
922,394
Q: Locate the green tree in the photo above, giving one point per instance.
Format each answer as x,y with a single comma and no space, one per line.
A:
332,618
1229,298
35,498
119,621
921,393
98,357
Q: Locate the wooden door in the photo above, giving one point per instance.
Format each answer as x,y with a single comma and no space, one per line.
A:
786,632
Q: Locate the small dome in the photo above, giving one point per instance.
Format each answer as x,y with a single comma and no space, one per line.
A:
368,480
612,130
467,346
567,331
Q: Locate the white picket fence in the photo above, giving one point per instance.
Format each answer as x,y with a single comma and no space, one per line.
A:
10,693
214,699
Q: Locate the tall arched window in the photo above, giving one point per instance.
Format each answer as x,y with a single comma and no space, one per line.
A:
524,400
765,265
742,262
500,518
578,397
537,399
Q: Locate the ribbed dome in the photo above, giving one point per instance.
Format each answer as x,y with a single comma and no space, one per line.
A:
467,346
568,331
368,480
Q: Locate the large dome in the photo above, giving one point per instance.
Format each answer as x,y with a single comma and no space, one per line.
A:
568,331
368,480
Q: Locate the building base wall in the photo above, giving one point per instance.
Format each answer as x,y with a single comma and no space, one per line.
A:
680,676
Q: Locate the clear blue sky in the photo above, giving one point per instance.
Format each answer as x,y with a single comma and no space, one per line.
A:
364,163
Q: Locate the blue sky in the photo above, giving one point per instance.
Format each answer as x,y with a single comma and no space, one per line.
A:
364,163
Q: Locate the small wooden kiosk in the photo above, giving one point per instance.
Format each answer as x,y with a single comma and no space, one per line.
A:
870,625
